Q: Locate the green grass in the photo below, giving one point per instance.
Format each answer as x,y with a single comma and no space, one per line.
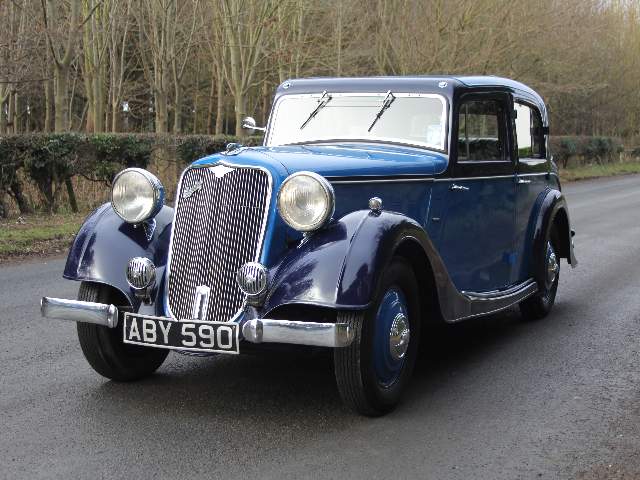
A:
38,234
596,171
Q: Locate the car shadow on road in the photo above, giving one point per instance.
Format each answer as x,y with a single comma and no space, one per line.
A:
300,389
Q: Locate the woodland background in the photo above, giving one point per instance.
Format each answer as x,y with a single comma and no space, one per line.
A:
176,67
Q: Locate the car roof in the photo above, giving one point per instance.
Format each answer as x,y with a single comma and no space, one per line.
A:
443,84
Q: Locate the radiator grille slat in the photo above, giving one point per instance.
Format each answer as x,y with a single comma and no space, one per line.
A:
217,229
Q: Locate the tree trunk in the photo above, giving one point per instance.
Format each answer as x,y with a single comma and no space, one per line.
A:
3,119
98,101
4,210
220,103
177,114
17,194
60,98
72,195
10,113
212,93
17,117
240,104
48,105
162,116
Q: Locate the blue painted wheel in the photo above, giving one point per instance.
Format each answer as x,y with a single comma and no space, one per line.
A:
374,370
392,335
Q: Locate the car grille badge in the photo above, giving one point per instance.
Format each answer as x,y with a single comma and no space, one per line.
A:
189,191
220,170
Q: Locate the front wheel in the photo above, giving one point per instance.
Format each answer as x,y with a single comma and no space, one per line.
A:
104,349
373,371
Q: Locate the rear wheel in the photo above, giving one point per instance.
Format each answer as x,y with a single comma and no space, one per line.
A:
104,349
540,304
373,371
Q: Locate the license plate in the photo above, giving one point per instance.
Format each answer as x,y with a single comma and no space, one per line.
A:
192,335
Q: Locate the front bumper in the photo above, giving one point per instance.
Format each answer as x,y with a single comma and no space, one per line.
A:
261,330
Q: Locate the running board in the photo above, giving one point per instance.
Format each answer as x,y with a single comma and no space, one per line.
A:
484,303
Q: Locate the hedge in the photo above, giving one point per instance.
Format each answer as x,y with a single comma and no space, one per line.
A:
567,150
51,160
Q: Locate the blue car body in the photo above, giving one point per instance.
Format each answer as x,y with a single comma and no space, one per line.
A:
470,229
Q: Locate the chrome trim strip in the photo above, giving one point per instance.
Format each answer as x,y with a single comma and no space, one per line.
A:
386,180
299,333
78,311
262,231
489,177
498,294
460,179
400,179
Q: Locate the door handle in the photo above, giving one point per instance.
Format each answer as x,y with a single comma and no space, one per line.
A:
458,188
522,181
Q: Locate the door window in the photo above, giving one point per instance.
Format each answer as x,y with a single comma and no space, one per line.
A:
481,136
529,132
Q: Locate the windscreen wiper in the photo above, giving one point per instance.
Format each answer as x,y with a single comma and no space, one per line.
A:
388,100
322,102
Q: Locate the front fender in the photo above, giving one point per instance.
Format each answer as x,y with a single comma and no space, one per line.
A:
105,243
340,266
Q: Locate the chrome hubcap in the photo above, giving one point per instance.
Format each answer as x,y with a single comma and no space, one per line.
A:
552,265
399,336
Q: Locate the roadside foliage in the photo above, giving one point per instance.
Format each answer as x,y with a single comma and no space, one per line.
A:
195,67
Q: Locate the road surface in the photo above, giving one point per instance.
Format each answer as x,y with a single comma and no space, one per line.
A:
492,398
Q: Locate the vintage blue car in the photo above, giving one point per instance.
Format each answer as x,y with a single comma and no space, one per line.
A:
375,205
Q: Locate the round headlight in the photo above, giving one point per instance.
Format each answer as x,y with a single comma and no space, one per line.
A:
306,201
137,195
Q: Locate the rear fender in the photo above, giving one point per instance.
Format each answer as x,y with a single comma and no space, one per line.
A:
552,210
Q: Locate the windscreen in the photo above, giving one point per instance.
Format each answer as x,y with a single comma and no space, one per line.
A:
413,119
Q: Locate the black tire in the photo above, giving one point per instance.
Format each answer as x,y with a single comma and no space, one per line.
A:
356,376
104,349
540,304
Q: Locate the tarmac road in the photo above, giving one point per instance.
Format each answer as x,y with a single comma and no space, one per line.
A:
491,398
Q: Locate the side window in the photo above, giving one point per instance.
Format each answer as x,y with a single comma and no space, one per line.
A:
529,132
480,131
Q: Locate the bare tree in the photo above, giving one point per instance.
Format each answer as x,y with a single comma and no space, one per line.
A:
244,24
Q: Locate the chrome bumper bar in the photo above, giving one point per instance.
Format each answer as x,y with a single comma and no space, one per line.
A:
256,331
78,311
300,333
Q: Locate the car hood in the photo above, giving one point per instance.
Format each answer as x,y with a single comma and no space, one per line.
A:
339,160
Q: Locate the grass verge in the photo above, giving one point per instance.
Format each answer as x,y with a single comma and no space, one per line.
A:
596,171
34,235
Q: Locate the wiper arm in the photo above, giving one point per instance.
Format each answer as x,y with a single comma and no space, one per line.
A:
388,100
322,102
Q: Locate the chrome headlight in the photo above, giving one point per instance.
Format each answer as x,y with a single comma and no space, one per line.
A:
137,195
306,201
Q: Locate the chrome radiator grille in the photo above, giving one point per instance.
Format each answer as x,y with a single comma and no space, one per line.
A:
221,214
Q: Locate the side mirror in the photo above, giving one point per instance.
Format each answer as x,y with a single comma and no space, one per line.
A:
249,123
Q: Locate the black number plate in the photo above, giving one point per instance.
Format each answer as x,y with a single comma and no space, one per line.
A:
220,337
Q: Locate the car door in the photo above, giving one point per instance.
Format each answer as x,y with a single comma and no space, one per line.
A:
479,224
532,176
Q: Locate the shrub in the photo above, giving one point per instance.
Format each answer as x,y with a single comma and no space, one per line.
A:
582,149
190,148
113,152
51,160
